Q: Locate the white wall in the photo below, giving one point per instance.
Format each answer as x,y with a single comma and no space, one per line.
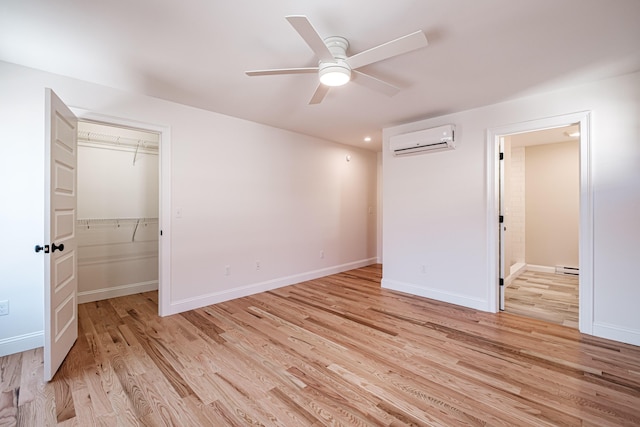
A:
435,205
111,186
247,192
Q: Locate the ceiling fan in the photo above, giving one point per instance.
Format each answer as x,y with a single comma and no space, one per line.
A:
335,68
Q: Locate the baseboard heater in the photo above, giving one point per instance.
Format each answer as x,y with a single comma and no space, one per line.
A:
561,269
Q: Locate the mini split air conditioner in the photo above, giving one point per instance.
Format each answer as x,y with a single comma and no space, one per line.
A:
423,141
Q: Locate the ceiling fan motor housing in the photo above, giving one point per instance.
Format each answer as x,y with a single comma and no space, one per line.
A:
337,46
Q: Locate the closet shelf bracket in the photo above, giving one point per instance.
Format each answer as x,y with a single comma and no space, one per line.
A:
135,156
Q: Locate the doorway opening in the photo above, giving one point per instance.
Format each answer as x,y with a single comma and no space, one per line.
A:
117,227
164,196
540,210
495,239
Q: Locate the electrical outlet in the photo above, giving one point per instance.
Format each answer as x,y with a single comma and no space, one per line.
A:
424,269
321,254
227,270
257,265
4,307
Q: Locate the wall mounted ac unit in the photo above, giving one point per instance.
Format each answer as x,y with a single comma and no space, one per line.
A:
423,141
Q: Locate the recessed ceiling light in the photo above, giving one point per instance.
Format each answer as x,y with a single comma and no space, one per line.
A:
367,139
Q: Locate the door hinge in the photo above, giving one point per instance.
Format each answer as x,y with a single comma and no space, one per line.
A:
501,219
501,156
501,282
161,232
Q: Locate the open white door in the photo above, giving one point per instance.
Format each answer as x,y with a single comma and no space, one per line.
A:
61,264
501,224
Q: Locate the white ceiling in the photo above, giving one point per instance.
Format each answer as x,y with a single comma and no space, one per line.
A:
195,52
546,136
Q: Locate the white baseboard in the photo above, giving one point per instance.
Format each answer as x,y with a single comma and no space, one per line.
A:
516,270
21,343
616,333
254,288
117,291
541,268
437,294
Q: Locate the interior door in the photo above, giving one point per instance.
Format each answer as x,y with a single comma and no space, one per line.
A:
61,264
501,224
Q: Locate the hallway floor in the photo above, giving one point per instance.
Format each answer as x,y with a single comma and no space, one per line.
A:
545,296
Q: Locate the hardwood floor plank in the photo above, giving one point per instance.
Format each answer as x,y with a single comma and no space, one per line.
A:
65,408
338,350
154,349
10,375
9,407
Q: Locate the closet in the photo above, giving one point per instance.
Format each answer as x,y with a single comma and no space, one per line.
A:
117,224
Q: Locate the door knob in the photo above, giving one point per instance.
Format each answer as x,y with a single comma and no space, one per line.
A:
55,248
44,248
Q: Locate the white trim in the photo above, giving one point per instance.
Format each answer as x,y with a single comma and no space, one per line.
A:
616,333
493,211
164,213
541,268
21,343
514,271
585,260
254,288
586,208
116,291
379,213
436,294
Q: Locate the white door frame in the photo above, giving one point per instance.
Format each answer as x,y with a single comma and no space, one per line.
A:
164,211
502,275
586,208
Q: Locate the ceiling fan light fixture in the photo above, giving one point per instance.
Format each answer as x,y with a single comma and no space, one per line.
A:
334,74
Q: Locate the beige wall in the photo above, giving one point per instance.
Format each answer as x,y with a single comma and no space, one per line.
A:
514,209
552,204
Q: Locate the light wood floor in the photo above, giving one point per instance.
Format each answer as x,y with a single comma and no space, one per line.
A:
334,351
545,296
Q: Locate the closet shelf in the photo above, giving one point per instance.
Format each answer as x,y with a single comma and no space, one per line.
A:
106,221
100,140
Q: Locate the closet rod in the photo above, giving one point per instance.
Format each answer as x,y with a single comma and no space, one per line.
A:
105,221
87,222
117,141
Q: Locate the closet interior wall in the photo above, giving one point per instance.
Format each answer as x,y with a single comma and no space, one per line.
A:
117,225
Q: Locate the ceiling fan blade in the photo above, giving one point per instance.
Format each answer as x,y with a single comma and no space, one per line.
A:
390,49
319,94
302,25
282,71
375,83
